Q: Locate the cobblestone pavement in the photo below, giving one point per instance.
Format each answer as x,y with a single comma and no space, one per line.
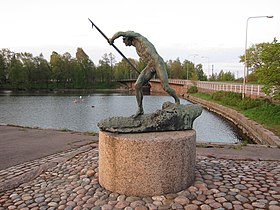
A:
69,181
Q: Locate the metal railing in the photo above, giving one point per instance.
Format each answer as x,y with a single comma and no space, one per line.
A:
254,90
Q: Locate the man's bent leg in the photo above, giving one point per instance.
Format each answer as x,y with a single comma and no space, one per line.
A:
139,94
171,92
139,99
162,74
143,78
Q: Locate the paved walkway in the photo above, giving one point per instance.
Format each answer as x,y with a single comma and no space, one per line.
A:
227,177
19,144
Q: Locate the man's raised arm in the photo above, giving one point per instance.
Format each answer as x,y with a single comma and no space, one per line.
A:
123,34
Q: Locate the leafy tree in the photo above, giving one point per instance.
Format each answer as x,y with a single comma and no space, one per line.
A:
28,64
56,67
42,73
81,55
104,69
268,73
66,69
7,55
253,60
77,74
188,69
213,77
5,59
225,76
3,70
17,74
264,60
112,62
174,69
122,70
140,65
86,68
200,74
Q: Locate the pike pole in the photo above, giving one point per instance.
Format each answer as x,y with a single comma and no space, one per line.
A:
134,68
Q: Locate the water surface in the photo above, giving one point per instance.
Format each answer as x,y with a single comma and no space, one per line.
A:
71,112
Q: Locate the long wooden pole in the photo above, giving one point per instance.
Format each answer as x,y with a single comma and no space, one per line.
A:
134,68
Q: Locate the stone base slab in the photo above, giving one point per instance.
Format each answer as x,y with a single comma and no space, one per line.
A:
147,164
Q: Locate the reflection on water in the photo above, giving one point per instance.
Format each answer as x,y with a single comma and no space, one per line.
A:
83,114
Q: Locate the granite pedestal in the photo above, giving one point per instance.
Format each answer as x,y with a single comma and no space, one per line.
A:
147,164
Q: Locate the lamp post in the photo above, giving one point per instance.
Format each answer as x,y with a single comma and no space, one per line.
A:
245,54
194,55
207,64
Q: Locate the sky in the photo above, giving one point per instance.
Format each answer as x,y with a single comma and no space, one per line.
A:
208,32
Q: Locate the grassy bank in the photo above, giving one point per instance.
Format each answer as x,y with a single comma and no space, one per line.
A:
259,110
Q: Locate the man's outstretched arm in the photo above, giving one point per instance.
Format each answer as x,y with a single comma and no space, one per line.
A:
123,34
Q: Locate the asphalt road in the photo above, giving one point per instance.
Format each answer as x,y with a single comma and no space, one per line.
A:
19,145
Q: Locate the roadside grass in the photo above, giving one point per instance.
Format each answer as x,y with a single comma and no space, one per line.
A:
259,110
267,115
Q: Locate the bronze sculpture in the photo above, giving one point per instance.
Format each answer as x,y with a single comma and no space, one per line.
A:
172,116
155,65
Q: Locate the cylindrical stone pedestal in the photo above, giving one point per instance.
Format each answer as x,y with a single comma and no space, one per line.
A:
147,164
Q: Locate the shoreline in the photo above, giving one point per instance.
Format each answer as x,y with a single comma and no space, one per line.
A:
249,127
22,144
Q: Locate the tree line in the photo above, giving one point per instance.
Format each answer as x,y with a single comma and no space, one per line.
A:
23,71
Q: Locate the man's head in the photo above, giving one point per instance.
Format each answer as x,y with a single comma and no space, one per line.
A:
127,41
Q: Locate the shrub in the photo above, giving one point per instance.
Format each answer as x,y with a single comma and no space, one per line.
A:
192,89
227,98
248,103
231,99
218,96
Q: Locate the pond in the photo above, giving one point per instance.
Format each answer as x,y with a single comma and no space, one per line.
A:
82,113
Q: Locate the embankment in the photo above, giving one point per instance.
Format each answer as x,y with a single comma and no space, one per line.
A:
251,128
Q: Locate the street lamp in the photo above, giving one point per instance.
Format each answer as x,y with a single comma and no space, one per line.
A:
194,55
245,55
207,63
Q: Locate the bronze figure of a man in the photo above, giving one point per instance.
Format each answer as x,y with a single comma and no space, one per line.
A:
155,65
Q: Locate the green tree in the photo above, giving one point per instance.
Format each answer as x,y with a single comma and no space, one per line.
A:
188,69
3,70
264,60
17,74
104,69
268,73
112,60
56,67
86,70
122,70
140,65
5,59
61,69
77,74
225,76
200,73
29,67
66,69
213,77
174,69
42,73
253,56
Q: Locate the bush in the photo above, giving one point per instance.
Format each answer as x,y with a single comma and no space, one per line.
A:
218,96
231,98
192,89
248,103
227,98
